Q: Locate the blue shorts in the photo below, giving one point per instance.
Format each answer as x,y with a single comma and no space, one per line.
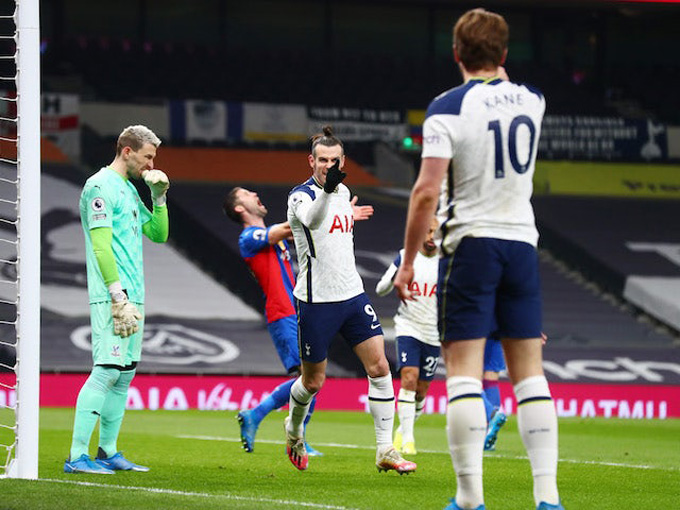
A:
487,282
411,352
284,336
493,355
318,323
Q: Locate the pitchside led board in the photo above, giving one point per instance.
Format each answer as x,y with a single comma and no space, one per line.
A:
219,393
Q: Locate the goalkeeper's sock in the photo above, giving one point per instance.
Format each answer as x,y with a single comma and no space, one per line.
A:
113,412
537,423
89,407
381,405
278,398
300,402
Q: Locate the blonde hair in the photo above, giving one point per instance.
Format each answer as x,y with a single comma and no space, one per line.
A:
135,137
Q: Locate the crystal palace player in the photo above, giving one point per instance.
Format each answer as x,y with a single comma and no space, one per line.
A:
479,152
265,250
331,299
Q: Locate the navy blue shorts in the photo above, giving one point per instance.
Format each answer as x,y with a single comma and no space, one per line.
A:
493,355
284,336
411,352
355,319
486,285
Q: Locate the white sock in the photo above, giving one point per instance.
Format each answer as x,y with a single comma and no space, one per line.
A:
420,407
299,401
466,431
381,405
537,423
406,409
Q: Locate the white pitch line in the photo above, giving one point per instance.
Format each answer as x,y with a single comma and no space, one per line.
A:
292,503
511,457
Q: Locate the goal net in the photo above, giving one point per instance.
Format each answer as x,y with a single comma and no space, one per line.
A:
19,239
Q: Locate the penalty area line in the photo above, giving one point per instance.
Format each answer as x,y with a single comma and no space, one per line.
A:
501,456
207,495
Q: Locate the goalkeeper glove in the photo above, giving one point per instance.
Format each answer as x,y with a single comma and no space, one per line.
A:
125,314
333,177
158,183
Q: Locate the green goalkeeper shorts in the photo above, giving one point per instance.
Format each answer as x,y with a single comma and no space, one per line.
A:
109,348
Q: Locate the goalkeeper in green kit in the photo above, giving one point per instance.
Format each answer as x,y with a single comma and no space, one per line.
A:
114,219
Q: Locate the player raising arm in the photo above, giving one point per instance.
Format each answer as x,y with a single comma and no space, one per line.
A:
331,299
114,219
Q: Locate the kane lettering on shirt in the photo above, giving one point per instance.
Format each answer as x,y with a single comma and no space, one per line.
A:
271,266
327,270
108,200
496,202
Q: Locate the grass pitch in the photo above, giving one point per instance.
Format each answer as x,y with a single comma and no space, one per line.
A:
197,463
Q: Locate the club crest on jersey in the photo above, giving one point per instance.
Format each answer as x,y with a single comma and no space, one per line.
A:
344,224
98,204
115,351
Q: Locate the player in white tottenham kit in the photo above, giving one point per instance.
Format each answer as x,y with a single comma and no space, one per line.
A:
331,299
479,150
417,338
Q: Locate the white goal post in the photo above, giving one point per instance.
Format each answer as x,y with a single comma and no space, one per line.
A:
27,57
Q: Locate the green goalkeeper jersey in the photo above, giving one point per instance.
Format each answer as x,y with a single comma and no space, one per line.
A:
109,200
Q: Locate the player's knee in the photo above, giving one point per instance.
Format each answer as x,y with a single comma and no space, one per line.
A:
313,382
377,368
409,378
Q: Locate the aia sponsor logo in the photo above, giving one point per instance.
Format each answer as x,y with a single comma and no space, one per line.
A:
343,224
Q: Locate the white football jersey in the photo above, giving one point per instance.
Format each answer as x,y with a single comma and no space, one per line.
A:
326,267
490,130
419,318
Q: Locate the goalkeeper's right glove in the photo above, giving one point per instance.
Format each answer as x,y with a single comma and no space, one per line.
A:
333,177
158,183
125,314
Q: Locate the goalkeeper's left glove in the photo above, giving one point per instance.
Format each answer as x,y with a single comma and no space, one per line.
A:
125,314
158,183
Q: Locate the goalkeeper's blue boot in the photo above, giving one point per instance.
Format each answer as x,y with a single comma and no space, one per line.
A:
84,464
454,506
547,506
312,452
497,421
248,425
118,463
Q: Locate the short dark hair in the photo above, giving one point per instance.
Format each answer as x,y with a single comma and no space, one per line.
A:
230,203
326,138
480,38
